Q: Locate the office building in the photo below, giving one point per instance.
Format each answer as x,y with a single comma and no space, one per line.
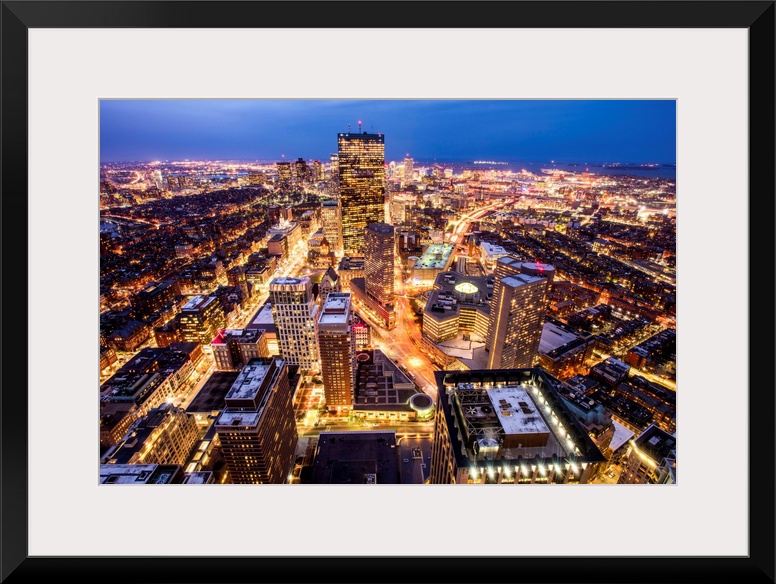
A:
284,172
520,293
200,320
508,426
409,172
331,220
257,430
295,313
379,246
337,345
361,158
301,172
458,311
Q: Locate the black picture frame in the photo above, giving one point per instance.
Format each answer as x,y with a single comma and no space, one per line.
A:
19,16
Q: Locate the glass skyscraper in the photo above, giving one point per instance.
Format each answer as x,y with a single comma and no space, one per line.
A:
362,189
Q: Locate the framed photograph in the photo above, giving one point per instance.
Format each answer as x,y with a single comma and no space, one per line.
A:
76,74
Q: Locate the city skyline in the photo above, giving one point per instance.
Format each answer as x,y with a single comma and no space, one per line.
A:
354,319
581,131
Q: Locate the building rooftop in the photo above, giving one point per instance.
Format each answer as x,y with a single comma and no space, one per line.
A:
435,257
284,227
492,249
201,477
656,443
198,302
362,136
511,414
226,336
241,419
356,458
211,397
520,280
516,411
621,435
555,336
336,308
380,384
381,228
262,319
139,474
250,380
296,283
509,260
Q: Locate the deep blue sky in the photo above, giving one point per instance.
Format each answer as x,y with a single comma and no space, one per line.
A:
562,130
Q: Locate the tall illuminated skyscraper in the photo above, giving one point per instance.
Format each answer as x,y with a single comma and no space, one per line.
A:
379,245
409,171
300,170
519,300
331,222
337,343
361,159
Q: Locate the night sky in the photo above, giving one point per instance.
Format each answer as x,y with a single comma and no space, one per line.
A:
591,131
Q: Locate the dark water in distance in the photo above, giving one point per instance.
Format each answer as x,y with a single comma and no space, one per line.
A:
659,171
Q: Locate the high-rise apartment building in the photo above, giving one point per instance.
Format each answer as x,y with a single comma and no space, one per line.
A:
361,158
295,314
337,344
331,222
518,304
257,430
379,246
